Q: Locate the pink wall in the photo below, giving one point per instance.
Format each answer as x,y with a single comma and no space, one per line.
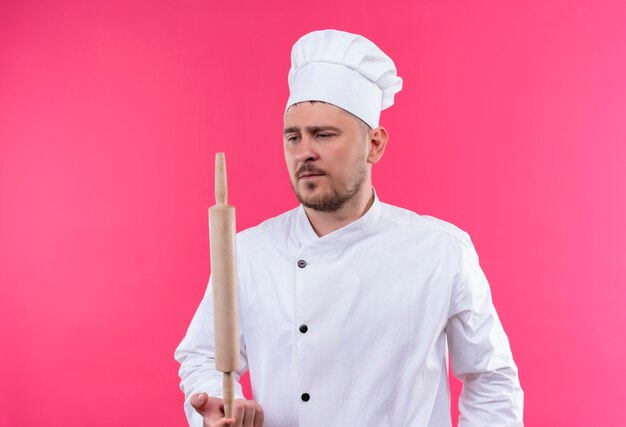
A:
512,125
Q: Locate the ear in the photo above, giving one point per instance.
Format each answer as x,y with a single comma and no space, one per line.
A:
377,141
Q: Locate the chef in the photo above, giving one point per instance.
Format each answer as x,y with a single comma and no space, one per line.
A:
349,306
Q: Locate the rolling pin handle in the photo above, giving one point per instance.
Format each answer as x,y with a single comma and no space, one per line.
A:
221,192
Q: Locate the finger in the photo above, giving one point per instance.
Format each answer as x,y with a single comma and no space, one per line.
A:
238,413
211,408
259,416
222,422
198,401
248,418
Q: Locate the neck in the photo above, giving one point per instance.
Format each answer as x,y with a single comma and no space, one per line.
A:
326,222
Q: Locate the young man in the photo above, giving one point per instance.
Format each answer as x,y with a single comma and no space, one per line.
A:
347,304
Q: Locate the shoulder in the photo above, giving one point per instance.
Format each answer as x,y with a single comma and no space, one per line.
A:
438,237
412,221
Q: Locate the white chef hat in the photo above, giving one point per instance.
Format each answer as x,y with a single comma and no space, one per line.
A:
343,69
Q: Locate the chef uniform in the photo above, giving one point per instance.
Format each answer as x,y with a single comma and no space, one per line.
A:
354,328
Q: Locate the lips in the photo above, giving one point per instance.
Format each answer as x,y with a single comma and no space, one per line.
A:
309,175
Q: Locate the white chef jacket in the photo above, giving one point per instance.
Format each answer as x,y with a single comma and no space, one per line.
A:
381,299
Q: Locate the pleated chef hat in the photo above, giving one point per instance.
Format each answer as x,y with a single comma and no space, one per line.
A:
343,69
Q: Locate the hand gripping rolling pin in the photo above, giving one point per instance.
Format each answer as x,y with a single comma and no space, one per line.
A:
224,273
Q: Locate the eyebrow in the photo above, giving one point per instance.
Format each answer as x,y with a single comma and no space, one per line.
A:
312,129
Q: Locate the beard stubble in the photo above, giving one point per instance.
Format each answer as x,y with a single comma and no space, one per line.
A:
335,199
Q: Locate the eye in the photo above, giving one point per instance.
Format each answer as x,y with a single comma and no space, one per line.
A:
324,135
292,138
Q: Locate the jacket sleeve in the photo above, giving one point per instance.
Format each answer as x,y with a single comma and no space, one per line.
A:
196,355
479,350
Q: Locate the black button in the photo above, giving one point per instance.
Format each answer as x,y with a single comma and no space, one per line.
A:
302,263
304,328
305,397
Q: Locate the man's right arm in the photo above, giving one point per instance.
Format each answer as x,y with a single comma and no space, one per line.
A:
196,355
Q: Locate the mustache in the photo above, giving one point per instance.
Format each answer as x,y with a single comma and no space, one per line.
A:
308,168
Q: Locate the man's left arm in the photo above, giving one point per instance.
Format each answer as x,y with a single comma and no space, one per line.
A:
479,350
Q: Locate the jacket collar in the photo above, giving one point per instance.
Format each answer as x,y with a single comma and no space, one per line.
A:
306,236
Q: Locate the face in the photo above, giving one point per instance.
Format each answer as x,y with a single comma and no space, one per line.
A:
326,152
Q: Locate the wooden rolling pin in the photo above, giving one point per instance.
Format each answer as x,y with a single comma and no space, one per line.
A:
224,277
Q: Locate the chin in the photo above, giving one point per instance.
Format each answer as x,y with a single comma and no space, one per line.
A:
310,196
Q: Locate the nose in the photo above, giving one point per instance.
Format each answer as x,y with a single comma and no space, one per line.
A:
306,151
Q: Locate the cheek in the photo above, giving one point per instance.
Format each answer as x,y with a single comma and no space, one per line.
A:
289,162
354,156
287,155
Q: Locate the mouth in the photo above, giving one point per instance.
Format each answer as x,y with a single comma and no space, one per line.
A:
309,175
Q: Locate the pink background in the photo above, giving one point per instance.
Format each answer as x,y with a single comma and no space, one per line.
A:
511,124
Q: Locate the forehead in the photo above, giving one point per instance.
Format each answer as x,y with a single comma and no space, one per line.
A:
317,114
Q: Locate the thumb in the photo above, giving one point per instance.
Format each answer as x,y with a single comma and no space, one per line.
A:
200,402
206,406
